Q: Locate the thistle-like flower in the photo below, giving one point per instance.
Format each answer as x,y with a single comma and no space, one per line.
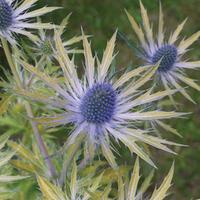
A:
171,71
100,107
46,44
15,18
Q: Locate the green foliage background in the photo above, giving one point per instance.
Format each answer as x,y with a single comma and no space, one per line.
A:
100,18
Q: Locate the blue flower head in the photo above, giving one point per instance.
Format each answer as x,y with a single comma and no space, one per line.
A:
15,18
168,52
98,104
100,108
6,17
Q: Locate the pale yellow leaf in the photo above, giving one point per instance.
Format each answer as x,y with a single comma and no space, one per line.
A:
108,153
129,75
132,189
168,128
188,81
161,192
73,184
146,24
184,44
160,26
89,60
107,58
176,33
137,30
50,191
7,179
181,89
38,12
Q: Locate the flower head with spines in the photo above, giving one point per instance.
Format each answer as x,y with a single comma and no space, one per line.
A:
44,47
100,108
15,19
170,54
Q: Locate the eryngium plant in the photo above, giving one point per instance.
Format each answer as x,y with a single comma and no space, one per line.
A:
44,46
129,190
15,18
172,67
101,108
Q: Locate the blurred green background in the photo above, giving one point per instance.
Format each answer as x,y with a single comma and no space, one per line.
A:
100,18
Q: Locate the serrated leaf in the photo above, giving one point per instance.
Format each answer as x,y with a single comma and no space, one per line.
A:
25,153
24,166
50,191
134,180
161,192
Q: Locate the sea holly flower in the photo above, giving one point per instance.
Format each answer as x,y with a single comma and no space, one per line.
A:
15,18
100,107
45,46
171,71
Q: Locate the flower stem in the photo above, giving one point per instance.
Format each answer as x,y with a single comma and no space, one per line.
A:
40,142
41,145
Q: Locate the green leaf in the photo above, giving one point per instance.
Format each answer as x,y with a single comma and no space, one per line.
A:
25,153
6,158
4,103
50,191
3,140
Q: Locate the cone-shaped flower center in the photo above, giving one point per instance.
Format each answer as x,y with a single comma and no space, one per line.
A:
168,56
46,47
98,104
5,15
